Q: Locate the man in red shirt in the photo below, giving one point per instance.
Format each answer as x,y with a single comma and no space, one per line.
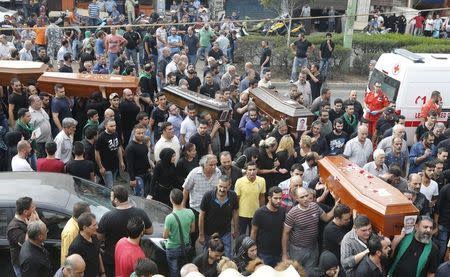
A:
434,104
128,251
418,26
50,163
375,102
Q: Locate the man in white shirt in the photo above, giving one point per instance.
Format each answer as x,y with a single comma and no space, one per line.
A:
19,162
25,53
5,48
167,140
310,167
189,124
377,166
360,148
40,120
172,66
64,140
429,187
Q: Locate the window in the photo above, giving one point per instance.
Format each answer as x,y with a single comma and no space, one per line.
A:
389,85
55,222
3,222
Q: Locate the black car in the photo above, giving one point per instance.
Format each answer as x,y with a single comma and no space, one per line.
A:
54,195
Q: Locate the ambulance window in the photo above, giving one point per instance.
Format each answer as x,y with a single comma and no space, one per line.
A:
388,85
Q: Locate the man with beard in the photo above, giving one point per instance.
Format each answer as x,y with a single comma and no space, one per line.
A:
227,168
189,124
159,115
337,139
193,80
210,87
352,98
373,265
415,254
201,139
137,162
336,229
267,227
218,208
113,224
419,200
422,152
129,108
252,126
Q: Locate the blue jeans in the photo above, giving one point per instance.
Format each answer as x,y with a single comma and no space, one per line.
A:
33,161
226,239
270,260
298,62
76,45
17,270
192,59
324,65
139,188
111,59
203,51
442,240
132,55
109,178
175,260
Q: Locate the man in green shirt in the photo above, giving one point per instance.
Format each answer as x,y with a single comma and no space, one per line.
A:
180,217
205,36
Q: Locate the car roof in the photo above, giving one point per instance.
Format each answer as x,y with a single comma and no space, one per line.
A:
54,188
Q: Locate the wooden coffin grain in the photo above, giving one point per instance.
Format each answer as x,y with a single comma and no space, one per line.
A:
25,71
83,85
182,98
278,107
385,205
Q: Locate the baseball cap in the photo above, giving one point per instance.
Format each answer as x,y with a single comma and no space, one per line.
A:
389,110
113,95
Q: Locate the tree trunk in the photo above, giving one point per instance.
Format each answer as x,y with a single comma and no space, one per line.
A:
288,40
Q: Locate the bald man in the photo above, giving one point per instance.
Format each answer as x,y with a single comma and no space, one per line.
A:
418,198
129,109
74,266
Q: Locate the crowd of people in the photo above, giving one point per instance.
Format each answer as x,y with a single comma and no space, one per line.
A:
247,188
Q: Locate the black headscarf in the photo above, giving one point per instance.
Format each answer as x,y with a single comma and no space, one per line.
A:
241,256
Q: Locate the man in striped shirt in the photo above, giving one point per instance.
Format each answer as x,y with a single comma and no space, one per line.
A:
94,13
301,230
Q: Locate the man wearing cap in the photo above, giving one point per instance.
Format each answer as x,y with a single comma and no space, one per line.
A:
384,123
114,101
375,102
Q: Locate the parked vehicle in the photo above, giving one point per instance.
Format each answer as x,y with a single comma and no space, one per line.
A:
54,195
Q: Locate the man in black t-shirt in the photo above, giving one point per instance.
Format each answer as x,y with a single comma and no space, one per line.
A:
336,229
217,53
108,153
194,82
384,123
408,249
87,245
80,167
129,108
337,138
17,99
267,227
302,48
264,61
133,38
210,87
216,218
159,115
325,54
201,139
113,225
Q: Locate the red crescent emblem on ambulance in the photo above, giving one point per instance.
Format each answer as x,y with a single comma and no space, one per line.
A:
396,69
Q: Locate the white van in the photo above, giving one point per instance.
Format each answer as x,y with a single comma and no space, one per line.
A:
408,79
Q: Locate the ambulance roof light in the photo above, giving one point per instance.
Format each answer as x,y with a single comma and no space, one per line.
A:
409,55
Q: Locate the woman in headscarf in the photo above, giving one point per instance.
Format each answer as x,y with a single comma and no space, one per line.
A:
163,180
208,260
246,251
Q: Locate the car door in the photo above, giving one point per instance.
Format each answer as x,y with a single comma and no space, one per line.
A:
6,214
55,221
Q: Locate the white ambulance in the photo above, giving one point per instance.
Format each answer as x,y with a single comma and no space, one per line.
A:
409,78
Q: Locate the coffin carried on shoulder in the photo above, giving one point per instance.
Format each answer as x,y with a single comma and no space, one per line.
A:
83,85
25,71
385,205
183,97
278,107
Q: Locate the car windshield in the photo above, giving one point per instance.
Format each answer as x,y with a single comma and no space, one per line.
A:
388,85
97,196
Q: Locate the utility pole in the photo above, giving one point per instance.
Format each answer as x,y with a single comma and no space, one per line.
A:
350,21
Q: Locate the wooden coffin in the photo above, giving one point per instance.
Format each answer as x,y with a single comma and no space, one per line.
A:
83,85
23,70
182,98
385,205
278,107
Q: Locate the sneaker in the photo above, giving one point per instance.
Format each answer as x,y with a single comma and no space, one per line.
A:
291,81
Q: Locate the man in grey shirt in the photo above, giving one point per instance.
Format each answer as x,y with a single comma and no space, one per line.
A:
354,245
377,166
40,120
